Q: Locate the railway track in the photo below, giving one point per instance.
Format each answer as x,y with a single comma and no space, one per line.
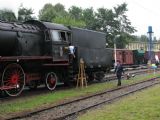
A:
42,90
70,109
27,92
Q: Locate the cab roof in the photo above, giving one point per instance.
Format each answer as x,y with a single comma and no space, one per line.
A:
48,25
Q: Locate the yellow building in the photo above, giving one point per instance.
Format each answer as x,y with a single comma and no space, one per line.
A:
143,45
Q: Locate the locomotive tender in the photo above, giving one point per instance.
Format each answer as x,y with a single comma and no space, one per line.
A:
34,53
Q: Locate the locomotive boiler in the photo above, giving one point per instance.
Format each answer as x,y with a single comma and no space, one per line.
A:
34,53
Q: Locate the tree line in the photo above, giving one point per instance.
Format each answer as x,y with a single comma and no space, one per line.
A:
111,21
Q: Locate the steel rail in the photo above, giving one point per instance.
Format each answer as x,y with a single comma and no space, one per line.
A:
110,78
87,97
104,102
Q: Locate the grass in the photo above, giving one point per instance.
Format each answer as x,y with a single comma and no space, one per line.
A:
54,97
144,105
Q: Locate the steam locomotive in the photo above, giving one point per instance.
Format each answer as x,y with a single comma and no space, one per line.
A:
34,53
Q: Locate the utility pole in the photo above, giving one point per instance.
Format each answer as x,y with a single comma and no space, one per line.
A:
150,32
115,48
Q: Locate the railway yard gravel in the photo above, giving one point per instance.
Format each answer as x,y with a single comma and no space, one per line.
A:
56,112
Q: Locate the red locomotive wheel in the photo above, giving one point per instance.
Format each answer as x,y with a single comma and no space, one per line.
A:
13,79
51,80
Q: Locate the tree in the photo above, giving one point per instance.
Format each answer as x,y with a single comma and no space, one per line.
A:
25,14
111,21
123,40
124,23
69,21
143,38
58,14
75,12
124,27
89,18
105,22
59,8
47,13
50,12
154,39
7,15
115,22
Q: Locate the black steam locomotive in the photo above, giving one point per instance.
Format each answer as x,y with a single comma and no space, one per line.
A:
34,53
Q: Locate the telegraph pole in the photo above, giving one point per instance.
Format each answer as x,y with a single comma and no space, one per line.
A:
115,47
150,32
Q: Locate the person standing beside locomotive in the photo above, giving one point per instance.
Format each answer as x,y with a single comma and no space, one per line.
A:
119,70
71,50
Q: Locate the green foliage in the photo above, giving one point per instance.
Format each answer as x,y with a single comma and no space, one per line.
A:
25,14
155,39
105,22
7,15
124,23
47,13
50,12
142,38
123,26
111,21
89,18
58,14
69,21
60,10
123,40
59,7
76,12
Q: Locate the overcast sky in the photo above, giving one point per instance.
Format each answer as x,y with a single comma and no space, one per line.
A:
141,13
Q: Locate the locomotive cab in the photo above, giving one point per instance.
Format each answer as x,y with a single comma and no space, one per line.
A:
60,40
57,38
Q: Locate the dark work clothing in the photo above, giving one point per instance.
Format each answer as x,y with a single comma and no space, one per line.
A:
119,71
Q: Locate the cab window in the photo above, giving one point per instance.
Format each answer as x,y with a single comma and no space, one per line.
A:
63,36
58,35
69,36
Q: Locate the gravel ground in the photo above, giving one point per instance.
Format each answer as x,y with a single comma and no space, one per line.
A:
73,107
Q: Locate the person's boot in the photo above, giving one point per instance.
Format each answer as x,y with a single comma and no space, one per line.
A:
119,83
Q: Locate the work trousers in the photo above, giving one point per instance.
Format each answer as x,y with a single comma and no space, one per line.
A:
119,79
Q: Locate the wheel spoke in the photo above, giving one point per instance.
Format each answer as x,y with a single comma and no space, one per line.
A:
13,75
51,80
